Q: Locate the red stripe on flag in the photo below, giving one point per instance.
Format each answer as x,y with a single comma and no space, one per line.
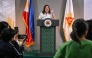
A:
29,39
25,18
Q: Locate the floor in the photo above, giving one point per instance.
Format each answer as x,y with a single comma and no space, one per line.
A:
34,54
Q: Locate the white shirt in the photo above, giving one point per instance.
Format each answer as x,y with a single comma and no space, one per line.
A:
44,16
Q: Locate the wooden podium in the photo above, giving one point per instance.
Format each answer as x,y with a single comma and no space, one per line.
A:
47,38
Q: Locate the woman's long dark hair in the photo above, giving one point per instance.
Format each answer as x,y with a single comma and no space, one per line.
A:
79,27
44,9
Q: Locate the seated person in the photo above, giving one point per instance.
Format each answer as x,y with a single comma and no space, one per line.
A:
18,42
3,25
6,46
79,46
89,35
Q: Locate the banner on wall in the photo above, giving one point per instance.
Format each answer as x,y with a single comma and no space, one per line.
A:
68,20
7,11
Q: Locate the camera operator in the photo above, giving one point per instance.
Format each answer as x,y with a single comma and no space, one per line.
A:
6,47
19,40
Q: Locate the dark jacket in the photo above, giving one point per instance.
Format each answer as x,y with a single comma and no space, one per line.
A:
0,37
89,34
19,48
9,50
15,44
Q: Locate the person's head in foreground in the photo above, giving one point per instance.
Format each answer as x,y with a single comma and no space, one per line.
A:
6,47
89,34
79,30
79,46
7,34
3,25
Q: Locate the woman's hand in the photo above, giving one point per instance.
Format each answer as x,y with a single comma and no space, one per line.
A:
53,15
52,11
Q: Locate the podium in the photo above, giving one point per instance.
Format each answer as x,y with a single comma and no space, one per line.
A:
47,38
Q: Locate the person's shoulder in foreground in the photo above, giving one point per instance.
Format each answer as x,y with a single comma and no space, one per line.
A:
71,49
79,47
61,51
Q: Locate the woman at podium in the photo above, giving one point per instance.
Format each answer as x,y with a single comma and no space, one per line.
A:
47,13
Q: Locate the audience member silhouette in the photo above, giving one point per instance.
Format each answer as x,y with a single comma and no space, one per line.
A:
6,46
79,46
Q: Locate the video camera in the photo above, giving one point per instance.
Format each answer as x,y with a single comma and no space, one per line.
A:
20,36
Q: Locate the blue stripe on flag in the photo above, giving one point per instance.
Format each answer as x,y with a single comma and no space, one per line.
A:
31,19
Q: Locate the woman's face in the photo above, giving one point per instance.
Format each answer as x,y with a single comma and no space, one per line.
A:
46,9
